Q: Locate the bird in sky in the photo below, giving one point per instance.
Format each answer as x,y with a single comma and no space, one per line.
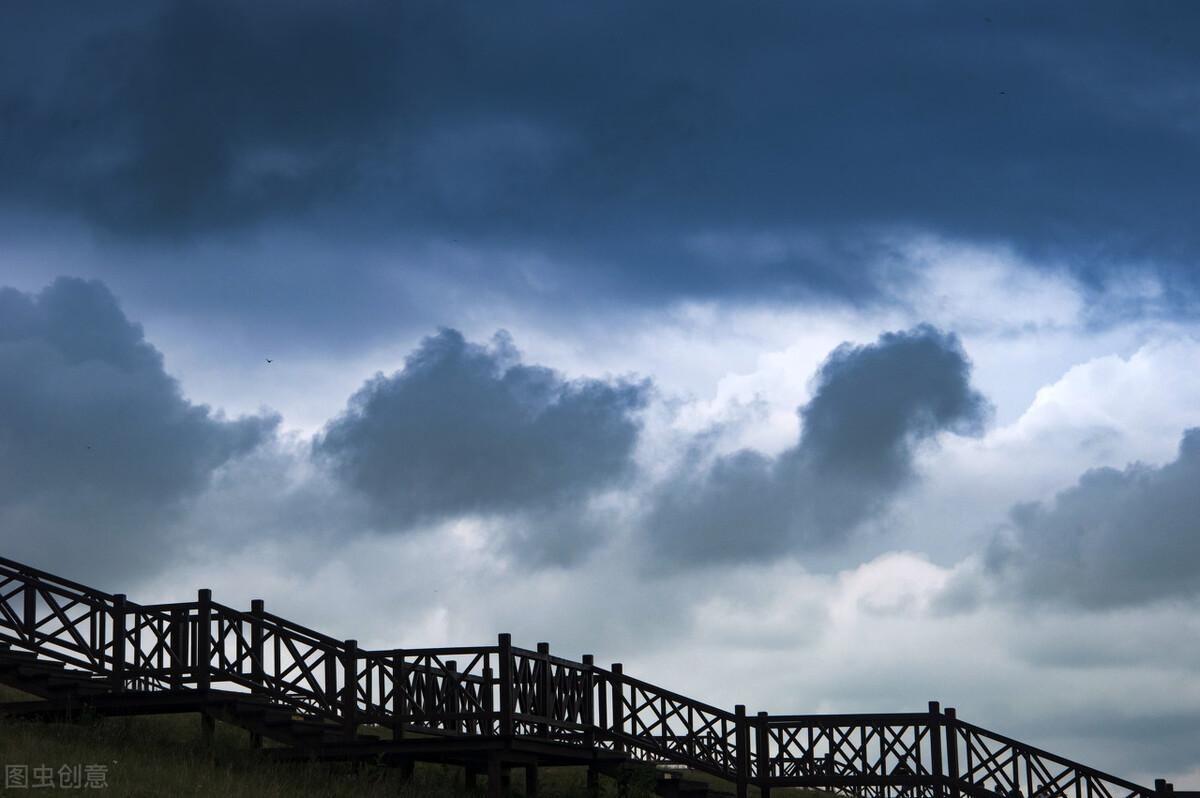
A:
269,360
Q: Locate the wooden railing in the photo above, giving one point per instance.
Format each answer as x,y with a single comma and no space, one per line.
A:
510,692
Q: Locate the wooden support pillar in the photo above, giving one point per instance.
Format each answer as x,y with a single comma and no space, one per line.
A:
531,781
257,664
618,704
470,778
208,727
407,766
951,723
30,612
203,638
506,690
256,741
488,725
762,755
593,782
451,697
350,689
935,749
544,689
589,701
399,692
178,645
742,734
494,788
118,643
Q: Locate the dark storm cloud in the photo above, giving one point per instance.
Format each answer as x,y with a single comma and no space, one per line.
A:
873,405
98,448
1116,538
656,152
466,429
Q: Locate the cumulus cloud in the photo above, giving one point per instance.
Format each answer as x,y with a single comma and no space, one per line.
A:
466,429
1117,537
99,449
872,407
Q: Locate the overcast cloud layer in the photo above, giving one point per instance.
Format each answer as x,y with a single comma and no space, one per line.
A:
859,337
568,150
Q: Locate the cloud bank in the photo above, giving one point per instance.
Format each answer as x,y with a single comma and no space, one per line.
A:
465,429
99,449
1118,537
872,407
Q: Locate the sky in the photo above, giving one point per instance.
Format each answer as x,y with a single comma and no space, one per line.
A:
821,357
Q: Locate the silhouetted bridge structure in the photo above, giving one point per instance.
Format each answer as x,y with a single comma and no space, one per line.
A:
488,708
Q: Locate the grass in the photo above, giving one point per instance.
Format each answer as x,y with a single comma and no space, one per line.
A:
163,756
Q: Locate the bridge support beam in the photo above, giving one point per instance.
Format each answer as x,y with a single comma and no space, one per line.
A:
498,782
593,782
208,727
531,781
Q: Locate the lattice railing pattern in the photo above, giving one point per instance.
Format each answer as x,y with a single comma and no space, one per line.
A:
994,764
659,725
509,692
802,748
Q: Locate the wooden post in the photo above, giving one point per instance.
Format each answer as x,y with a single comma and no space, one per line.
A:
935,748
601,702
618,705
763,755
488,725
258,669
118,643
589,701
452,703
951,720
178,637
495,789
203,638
332,695
399,688
350,689
208,727
593,782
30,619
544,687
506,697
742,735
531,781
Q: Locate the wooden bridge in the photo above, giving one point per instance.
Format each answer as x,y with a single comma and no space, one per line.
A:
488,708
